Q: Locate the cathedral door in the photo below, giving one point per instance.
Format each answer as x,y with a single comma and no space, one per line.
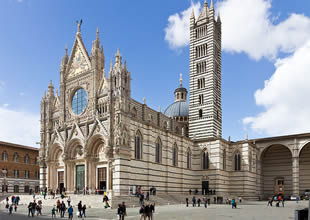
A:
205,187
279,186
80,178
102,179
61,184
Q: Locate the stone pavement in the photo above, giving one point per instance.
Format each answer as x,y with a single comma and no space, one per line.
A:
249,211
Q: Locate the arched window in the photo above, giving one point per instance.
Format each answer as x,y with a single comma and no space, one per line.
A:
15,157
175,156
27,159
4,155
138,146
16,173
158,149
237,161
205,160
188,159
224,159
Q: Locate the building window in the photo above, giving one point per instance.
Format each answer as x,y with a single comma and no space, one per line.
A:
79,101
175,156
16,188
16,173
27,159
205,160
237,161
250,161
158,149
4,156
200,113
37,174
138,146
15,157
188,159
26,189
224,159
201,99
27,174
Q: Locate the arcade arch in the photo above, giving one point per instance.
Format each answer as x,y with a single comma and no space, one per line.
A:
276,170
304,168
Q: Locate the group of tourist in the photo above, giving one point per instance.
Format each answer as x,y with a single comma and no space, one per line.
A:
146,211
34,207
277,199
197,202
14,203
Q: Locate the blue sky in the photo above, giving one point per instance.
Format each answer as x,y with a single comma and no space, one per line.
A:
34,34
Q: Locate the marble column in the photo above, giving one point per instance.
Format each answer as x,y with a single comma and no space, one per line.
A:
295,176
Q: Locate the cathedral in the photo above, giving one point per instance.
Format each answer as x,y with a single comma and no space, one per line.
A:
95,135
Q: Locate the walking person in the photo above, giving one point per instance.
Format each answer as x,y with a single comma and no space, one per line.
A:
147,211
124,210
120,212
69,201
80,209
10,209
84,211
29,209
205,202
198,201
186,202
70,213
152,208
233,203
142,212
62,209
54,212
194,201
283,202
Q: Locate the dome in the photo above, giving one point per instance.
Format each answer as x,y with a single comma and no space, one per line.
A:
176,109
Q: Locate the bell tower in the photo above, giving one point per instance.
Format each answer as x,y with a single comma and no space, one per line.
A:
205,111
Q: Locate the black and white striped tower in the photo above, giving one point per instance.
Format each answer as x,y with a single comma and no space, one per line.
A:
205,111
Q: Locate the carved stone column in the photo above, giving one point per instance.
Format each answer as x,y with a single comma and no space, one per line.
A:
295,175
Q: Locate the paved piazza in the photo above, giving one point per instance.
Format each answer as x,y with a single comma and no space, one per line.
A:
249,211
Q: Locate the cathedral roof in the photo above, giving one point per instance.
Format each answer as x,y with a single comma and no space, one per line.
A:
176,109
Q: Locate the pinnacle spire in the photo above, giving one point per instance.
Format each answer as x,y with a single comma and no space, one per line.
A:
181,80
211,6
66,50
118,54
205,3
193,13
218,17
111,65
97,33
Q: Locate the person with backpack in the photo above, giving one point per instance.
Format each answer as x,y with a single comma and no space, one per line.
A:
53,212
70,213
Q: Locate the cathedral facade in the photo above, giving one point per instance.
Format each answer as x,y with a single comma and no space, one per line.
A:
95,135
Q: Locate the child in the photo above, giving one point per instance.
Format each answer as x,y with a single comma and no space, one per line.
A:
15,208
10,209
54,212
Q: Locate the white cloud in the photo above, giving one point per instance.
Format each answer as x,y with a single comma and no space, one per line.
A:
19,127
177,30
247,27
285,97
5,105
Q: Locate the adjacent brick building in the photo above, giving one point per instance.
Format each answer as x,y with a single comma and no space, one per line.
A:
19,168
